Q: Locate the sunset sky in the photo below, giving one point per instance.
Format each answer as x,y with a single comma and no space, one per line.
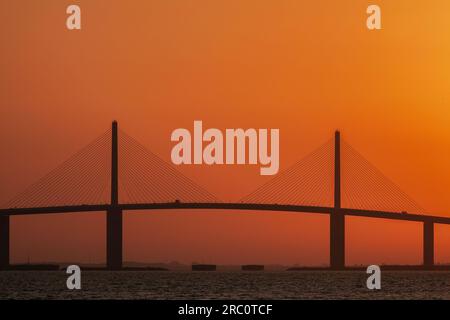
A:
305,67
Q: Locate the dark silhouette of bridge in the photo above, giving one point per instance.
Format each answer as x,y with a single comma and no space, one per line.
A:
165,188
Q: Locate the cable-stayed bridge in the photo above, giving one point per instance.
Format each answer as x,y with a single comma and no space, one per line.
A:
115,173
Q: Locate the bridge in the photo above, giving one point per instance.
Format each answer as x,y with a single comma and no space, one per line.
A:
90,181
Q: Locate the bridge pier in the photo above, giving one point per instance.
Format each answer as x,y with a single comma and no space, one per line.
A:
337,240
337,217
428,244
114,213
114,239
4,242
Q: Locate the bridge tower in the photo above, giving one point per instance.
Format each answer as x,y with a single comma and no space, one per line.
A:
114,213
428,244
337,217
4,242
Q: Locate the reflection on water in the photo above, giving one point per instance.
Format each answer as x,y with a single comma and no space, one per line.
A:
225,285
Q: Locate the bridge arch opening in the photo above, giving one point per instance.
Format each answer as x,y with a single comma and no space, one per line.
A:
227,237
383,242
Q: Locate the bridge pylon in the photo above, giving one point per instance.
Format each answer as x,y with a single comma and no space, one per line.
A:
428,244
114,238
114,222
4,241
337,216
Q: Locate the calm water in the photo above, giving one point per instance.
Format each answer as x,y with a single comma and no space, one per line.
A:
225,285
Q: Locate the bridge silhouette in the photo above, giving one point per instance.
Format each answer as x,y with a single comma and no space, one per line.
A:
90,181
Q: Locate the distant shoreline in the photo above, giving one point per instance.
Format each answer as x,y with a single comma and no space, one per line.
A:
219,268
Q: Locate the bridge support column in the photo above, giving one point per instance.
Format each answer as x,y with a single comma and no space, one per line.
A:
4,242
337,217
337,240
428,244
114,214
114,239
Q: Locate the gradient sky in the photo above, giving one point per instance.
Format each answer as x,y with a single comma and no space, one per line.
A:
306,67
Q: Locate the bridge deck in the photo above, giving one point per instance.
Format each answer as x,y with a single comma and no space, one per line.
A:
228,206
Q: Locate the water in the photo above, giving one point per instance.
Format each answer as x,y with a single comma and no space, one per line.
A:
225,285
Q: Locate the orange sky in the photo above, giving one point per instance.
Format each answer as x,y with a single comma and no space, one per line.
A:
306,67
